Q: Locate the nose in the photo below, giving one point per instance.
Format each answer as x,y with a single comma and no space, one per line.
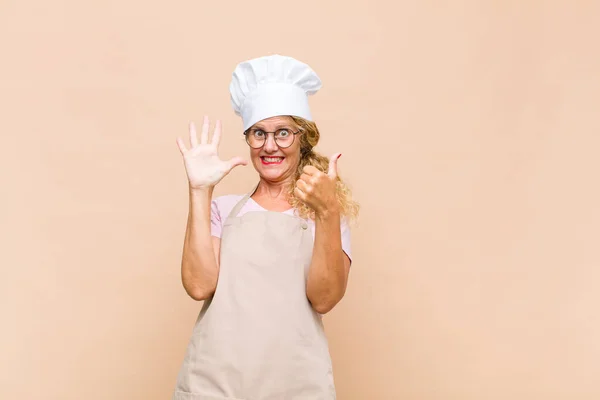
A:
270,145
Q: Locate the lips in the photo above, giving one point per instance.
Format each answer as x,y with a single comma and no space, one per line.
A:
271,160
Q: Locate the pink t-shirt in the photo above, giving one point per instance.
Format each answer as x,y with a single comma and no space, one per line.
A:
221,208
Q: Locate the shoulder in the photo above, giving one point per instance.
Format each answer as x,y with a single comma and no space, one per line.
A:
220,208
225,200
224,204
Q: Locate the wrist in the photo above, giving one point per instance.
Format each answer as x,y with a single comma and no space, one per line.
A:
201,191
328,213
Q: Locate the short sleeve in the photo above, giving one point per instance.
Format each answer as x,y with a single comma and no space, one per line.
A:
346,245
220,208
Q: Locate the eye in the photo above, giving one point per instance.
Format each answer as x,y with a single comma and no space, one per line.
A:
258,133
283,133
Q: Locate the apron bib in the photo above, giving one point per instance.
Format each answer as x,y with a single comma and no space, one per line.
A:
257,337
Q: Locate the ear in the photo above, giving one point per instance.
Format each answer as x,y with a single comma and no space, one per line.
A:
333,165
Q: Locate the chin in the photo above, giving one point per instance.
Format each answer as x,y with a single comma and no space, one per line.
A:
271,174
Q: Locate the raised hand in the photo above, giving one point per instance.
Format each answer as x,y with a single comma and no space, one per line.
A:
318,189
203,166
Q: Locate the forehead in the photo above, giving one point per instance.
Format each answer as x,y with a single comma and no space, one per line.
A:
274,123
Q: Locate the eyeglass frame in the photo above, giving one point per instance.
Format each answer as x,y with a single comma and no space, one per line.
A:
274,138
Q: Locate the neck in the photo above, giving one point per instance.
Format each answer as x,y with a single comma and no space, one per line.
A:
274,190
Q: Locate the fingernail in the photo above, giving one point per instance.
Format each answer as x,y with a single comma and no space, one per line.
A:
339,156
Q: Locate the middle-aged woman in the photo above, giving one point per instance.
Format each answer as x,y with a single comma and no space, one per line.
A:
267,264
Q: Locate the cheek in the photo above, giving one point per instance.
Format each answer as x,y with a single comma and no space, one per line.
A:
292,156
254,155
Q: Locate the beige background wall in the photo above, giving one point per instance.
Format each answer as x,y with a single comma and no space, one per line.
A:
470,136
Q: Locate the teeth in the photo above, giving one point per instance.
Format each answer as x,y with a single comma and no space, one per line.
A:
273,159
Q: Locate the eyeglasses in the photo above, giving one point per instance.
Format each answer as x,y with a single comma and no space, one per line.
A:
256,138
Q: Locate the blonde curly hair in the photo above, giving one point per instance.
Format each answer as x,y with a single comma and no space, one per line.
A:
308,140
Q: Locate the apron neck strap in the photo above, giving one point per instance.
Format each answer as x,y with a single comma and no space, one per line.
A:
238,207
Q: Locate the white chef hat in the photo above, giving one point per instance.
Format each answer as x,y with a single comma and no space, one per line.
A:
273,85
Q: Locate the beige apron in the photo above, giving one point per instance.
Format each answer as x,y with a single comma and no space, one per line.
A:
258,337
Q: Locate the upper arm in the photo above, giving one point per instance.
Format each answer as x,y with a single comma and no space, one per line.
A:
347,262
217,247
216,226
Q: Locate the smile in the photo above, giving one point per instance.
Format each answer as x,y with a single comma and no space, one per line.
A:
271,160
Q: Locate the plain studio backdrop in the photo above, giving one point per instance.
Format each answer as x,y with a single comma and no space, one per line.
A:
470,136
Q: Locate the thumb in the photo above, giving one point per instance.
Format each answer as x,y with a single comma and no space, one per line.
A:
234,162
333,165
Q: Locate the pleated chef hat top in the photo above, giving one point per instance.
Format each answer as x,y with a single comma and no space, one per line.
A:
273,85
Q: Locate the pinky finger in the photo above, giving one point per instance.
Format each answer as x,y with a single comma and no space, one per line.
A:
181,146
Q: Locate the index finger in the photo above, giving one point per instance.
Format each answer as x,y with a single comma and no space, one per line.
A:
204,133
310,170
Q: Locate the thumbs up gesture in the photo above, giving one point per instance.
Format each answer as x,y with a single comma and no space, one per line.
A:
318,189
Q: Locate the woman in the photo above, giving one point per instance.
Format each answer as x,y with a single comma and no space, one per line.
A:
267,264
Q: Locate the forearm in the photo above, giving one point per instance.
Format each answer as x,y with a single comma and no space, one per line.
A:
327,277
199,267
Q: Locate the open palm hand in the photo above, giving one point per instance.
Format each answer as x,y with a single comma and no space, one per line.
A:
203,166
